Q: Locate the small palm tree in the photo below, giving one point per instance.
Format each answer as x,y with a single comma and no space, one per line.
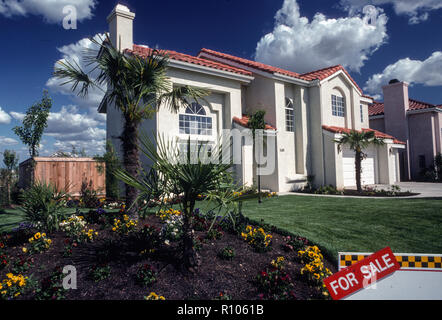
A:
257,122
184,175
137,87
358,141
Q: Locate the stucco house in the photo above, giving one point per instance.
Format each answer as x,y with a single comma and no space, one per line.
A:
304,112
417,123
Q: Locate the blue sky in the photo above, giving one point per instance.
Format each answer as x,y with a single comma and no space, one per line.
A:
404,42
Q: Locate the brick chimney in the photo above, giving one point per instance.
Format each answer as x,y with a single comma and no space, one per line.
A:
121,27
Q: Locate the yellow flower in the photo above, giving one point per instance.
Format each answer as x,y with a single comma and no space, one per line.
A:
24,250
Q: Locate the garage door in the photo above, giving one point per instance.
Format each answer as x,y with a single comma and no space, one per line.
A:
368,175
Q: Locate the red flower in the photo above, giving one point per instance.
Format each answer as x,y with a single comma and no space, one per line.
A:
263,273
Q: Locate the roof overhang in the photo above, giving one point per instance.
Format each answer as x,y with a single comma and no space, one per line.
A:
341,72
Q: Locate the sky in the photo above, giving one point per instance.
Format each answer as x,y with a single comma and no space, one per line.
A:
375,40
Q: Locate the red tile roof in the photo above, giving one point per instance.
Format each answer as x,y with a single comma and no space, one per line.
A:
327,72
377,108
173,55
244,121
318,74
378,134
249,63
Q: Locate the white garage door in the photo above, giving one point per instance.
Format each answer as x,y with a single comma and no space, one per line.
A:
368,168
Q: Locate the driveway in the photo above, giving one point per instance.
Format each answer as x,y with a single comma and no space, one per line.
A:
426,189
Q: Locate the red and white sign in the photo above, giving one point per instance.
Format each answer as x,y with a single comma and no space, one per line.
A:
362,274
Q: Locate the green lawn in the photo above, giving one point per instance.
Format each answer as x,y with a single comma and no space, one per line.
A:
357,225
340,224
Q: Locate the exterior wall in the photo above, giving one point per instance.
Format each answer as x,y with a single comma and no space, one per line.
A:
377,124
316,139
422,141
333,170
366,123
337,85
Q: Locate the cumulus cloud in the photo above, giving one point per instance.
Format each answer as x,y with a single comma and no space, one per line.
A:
426,72
70,128
75,53
5,118
301,45
417,10
50,10
5,141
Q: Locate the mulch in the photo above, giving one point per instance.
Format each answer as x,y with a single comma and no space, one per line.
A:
214,275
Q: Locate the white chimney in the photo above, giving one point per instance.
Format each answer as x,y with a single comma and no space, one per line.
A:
121,27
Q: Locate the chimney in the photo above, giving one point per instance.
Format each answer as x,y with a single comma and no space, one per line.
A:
396,105
121,27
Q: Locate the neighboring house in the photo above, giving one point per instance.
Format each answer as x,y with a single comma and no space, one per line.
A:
305,112
417,123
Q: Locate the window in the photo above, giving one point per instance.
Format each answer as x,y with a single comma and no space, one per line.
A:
289,116
362,113
422,162
195,121
338,106
198,149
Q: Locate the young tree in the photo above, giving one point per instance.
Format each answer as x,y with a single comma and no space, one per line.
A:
138,86
34,124
358,141
10,160
257,122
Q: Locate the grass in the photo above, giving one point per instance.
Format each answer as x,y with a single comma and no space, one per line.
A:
356,225
339,224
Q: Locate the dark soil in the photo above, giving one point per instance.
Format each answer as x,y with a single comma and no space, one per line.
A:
214,275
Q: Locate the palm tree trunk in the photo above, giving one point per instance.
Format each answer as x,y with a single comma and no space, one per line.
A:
131,161
358,161
190,256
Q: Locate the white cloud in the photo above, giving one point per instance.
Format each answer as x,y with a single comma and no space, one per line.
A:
5,141
50,10
301,45
417,10
70,128
426,72
17,115
5,118
75,53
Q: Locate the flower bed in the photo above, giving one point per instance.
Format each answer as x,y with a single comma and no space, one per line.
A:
137,259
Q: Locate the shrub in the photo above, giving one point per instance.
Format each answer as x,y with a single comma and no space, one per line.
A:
228,253
154,296
215,233
314,270
13,286
88,196
39,243
43,206
4,261
293,243
73,226
146,275
173,228
51,287
257,238
125,225
328,190
99,272
149,236
274,283
21,265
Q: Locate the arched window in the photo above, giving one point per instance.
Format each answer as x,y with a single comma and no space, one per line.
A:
338,105
289,116
195,121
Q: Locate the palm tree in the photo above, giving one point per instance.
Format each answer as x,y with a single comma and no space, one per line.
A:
358,141
137,87
184,175
257,122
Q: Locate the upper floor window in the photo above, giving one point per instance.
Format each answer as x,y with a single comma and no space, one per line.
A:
338,106
362,113
195,121
289,116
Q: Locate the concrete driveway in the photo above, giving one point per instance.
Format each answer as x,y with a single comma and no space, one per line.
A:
426,189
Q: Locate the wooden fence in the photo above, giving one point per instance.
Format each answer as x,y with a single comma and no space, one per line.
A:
66,173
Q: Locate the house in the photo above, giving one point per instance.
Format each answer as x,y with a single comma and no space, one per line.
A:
304,113
417,123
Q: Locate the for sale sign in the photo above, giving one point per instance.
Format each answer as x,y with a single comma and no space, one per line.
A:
362,274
